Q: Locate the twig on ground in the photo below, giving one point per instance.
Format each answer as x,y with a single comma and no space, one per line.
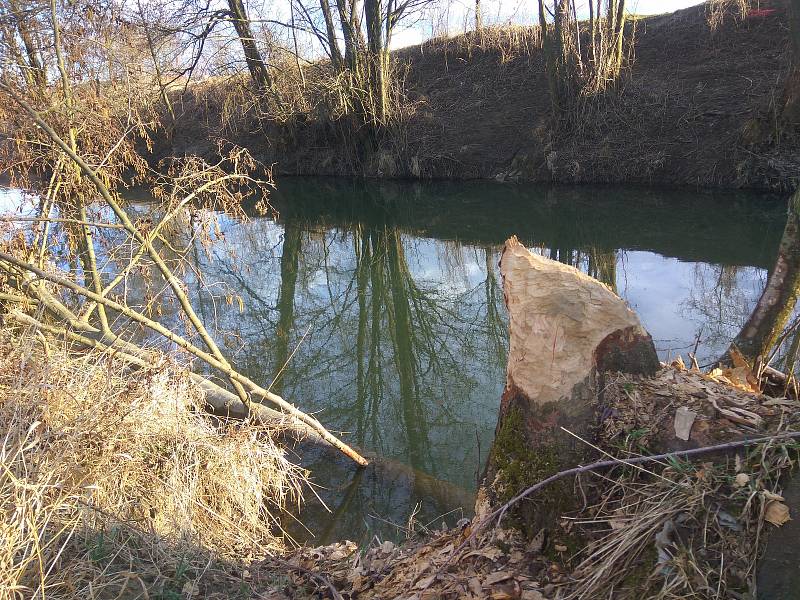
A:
602,464
319,578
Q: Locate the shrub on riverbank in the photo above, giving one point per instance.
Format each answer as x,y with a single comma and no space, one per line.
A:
112,480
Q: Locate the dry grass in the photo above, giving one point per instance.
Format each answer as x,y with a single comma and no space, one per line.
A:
116,484
717,11
681,529
508,42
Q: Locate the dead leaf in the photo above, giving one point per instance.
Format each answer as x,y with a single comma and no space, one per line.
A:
387,547
777,513
490,552
475,586
772,496
190,589
424,582
618,523
496,577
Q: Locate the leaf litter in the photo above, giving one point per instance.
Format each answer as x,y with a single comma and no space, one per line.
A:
694,530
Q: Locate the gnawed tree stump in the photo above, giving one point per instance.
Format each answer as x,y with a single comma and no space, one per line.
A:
566,329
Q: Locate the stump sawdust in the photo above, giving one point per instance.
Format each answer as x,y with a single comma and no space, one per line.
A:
675,529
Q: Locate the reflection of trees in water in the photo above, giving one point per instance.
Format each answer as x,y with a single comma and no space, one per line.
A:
602,265
290,258
719,300
496,330
405,349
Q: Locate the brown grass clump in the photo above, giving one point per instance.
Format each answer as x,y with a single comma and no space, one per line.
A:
719,10
507,41
113,481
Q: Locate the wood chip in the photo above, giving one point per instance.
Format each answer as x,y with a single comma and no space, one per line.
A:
684,419
497,577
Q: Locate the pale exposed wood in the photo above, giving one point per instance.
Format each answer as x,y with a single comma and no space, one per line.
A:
557,318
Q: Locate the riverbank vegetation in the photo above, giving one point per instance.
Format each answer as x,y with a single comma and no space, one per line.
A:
118,486
594,93
697,97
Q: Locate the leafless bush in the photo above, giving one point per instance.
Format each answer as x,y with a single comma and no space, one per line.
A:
718,11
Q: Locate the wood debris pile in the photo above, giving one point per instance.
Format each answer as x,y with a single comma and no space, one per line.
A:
663,528
681,408
501,565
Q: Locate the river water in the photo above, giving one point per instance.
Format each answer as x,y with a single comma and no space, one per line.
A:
378,307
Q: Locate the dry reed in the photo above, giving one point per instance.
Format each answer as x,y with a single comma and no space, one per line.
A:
717,11
117,484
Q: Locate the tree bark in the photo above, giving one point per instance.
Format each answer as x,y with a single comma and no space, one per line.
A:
779,297
252,55
566,330
376,59
333,44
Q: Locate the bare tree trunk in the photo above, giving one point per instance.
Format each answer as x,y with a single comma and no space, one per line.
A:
28,38
592,50
255,62
550,57
619,34
333,44
779,297
350,33
151,46
478,16
376,59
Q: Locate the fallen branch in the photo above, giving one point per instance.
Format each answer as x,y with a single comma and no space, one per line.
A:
601,464
181,342
220,400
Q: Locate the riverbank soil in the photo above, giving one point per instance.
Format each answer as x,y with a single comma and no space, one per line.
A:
667,529
695,107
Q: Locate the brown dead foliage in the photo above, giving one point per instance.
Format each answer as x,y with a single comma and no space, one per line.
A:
673,529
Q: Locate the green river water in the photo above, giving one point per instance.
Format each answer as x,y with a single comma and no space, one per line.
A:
378,306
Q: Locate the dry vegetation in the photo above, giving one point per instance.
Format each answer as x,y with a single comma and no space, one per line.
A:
692,108
120,486
669,529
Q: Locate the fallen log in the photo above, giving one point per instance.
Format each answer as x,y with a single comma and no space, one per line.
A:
566,330
220,401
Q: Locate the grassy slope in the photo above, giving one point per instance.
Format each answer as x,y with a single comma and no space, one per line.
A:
693,110
678,118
